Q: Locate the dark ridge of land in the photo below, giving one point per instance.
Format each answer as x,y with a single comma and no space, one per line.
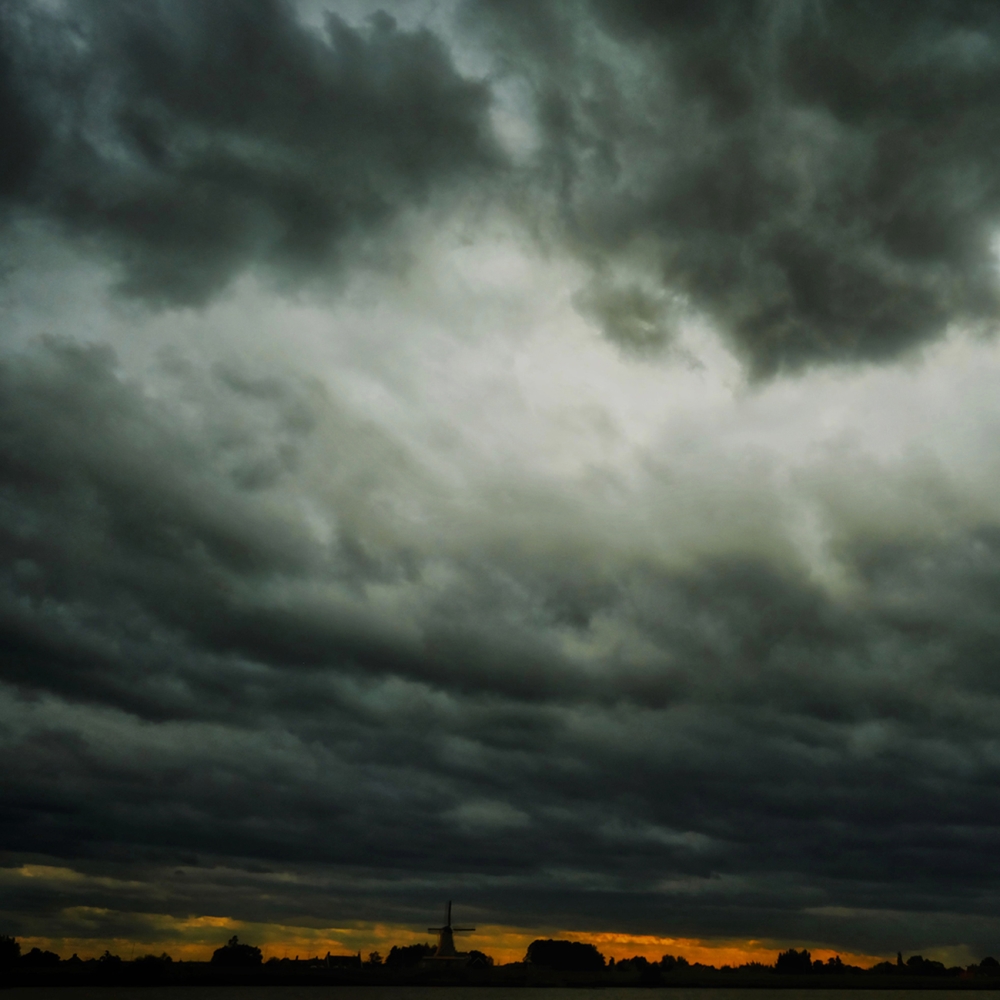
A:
306,974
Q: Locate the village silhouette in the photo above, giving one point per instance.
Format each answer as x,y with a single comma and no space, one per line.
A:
547,962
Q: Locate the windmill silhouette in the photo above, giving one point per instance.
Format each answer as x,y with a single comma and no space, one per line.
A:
446,939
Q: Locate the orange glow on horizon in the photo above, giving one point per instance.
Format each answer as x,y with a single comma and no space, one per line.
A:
707,952
89,931
195,938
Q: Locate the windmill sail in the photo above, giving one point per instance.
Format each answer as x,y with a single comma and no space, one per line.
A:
446,939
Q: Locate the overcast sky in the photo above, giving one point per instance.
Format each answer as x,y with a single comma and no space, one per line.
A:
540,454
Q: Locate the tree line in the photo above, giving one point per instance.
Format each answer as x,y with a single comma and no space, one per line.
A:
555,955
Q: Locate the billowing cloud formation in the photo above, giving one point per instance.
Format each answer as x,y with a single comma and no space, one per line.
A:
196,140
343,606
820,179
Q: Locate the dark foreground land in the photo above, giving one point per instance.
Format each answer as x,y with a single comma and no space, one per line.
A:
204,974
427,993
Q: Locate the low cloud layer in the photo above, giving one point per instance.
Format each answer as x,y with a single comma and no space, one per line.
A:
195,678
334,588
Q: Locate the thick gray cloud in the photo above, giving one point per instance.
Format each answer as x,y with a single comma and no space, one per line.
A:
820,179
195,140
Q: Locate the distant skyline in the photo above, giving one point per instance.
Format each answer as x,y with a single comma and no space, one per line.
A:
538,453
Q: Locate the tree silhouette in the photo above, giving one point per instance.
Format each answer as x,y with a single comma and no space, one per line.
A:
37,957
924,966
153,961
407,956
10,950
566,956
794,962
235,954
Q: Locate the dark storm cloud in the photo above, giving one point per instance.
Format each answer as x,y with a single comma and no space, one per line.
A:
246,636
820,179
774,758
194,139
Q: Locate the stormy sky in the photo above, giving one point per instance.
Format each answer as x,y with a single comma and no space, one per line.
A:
543,454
